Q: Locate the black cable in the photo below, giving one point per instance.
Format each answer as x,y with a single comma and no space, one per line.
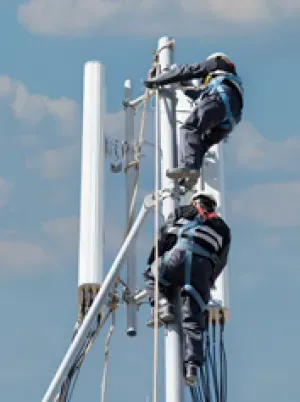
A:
215,368
224,369
71,389
70,381
214,377
212,384
68,385
223,362
206,386
221,368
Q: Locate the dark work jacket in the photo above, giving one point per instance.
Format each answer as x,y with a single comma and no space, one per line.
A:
168,240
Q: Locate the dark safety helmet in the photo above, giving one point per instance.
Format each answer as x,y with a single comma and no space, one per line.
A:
206,201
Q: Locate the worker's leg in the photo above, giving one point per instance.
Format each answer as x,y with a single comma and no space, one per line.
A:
150,286
193,324
165,305
208,114
193,318
171,272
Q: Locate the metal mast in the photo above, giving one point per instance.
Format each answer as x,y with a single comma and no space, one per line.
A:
93,290
173,342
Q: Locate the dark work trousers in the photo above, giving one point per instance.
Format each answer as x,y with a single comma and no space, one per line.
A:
201,129
193,320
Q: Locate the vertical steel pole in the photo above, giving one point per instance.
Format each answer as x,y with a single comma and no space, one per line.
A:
173,342
130,183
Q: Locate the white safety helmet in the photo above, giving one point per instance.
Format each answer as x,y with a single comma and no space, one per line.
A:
205,197
226,59
219,55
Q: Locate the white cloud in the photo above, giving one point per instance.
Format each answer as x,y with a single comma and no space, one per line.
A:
64,231
52,158
22,256
248,149
59,162
114,125
33,109
274,205
36,121
149,17
62,228
55,163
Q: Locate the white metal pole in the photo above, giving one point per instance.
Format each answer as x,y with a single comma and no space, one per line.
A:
93,312
130,183
91,241
173,342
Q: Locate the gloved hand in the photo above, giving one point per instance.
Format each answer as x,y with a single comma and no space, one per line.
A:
150,83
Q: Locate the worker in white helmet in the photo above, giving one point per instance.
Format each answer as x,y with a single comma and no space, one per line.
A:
193,248
218,109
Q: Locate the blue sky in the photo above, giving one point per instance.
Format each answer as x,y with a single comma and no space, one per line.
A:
43,48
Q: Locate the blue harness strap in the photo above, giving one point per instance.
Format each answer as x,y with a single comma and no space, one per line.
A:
216,84
188,243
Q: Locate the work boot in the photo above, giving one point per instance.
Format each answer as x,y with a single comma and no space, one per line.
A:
150,322
190,374
183,173
165,313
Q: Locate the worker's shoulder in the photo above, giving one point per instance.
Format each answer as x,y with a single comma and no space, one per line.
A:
219,222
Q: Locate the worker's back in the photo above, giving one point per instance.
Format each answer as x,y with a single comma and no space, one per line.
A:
213,234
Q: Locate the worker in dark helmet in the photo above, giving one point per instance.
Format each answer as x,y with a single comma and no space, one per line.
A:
218,109
193,249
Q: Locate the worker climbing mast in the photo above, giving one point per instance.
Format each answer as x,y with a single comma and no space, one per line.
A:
193,254
186,278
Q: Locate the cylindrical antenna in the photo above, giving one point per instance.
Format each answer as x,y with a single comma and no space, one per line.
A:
91,242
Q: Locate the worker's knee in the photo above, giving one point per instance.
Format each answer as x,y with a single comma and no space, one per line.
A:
172,270
175,258
214,136
193,318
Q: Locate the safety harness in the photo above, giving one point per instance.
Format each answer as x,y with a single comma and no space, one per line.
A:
216,83
186,241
